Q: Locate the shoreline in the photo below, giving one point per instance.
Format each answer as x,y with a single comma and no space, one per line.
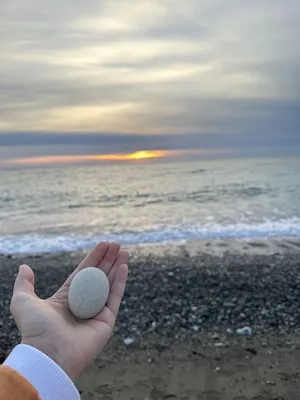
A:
189,287
216,246
181,309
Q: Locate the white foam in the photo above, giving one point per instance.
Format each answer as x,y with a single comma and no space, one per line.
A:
38,243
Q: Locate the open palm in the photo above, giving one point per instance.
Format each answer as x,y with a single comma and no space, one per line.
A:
49,326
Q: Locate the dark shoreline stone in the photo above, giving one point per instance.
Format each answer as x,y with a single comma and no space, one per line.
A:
211,292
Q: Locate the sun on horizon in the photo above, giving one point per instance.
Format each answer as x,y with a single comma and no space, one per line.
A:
64,159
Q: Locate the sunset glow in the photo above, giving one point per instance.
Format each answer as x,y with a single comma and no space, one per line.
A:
138,155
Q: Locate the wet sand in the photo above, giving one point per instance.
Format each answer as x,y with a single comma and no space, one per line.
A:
243,370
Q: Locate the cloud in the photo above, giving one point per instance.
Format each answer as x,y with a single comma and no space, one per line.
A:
158,67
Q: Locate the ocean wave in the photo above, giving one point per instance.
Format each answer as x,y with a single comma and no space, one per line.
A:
42,243
197,171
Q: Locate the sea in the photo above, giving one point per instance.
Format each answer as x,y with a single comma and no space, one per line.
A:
71,208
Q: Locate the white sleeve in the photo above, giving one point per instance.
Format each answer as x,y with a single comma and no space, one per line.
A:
43,373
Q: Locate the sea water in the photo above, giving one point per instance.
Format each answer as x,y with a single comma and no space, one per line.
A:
71,208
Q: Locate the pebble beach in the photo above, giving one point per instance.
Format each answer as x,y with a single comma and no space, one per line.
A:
196,306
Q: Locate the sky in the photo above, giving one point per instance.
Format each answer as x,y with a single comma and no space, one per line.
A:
113,76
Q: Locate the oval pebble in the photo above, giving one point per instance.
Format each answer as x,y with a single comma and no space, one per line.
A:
88,293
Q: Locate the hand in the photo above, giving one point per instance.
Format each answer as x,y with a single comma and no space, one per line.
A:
49,326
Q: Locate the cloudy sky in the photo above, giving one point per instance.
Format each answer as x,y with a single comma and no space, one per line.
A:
88,76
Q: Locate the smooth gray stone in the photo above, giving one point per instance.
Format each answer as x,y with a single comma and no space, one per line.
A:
88,293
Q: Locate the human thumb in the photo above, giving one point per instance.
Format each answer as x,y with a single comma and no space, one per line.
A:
24,281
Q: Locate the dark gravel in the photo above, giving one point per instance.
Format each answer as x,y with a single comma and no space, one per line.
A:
175,297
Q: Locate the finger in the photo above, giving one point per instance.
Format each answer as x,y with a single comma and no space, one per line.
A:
110,257
91,260
24,281
122,258
117,289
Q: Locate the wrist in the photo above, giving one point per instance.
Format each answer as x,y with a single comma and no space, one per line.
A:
52,352
42,372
